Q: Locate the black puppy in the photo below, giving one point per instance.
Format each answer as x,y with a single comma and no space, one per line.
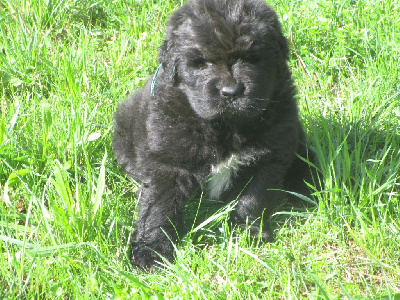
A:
221,106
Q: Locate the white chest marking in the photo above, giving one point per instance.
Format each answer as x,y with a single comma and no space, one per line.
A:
223,173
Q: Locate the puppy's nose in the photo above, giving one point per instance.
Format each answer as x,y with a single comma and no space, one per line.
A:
233,90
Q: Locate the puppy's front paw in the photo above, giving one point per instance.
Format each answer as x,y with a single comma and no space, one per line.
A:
255,229
147,259
264,234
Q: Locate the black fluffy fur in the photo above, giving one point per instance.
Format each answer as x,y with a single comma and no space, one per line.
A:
224,91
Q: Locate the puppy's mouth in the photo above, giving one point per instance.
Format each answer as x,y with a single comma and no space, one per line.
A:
243,108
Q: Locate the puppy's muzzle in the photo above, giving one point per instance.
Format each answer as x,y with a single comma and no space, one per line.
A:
232,90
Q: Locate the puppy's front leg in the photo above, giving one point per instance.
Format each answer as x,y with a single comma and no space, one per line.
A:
258,197
159,223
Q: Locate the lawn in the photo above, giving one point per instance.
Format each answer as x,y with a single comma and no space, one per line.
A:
67,209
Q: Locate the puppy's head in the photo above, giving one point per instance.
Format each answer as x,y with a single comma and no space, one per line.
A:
228,57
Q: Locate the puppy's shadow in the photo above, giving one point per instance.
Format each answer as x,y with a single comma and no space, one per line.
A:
207,221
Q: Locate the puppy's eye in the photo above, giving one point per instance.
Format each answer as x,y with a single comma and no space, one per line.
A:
253,59
198,63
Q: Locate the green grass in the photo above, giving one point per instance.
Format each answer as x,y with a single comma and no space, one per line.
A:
67,210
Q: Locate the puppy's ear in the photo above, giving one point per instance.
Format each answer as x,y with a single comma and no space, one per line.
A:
280,39
169,54
169,61
283,45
